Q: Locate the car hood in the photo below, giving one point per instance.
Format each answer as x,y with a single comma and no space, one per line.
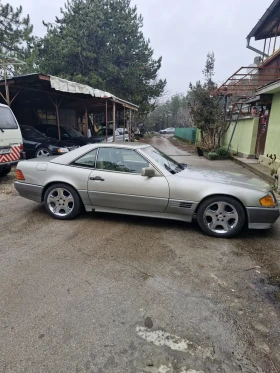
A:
49,141
58,143
98,138
224,177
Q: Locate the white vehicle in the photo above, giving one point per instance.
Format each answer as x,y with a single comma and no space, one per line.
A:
120,135
167,130
11,146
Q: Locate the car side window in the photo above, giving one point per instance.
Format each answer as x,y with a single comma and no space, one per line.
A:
87,160
121,160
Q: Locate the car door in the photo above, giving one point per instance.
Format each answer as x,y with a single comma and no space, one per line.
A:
117,182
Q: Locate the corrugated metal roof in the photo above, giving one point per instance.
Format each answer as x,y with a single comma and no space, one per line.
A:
64,85
68,86
269,24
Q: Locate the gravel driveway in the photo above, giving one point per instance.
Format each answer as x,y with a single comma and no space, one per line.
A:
116,294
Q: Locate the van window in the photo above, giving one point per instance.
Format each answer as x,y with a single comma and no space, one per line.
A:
7,120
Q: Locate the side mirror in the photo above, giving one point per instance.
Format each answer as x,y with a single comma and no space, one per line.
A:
148,171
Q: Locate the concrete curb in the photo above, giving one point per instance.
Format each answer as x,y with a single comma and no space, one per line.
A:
269,179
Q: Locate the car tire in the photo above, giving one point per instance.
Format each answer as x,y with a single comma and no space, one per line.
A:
42,152
62,201
221,216
5,171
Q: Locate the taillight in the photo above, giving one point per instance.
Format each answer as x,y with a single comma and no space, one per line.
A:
21,148
19,175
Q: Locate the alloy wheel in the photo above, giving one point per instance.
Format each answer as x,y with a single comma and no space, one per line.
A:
60,202
221,217
42,153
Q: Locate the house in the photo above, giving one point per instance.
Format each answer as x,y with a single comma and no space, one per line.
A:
254,94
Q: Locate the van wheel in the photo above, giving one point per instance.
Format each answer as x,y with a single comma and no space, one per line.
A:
5,171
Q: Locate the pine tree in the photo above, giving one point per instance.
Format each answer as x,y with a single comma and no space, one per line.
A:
15,34
101,43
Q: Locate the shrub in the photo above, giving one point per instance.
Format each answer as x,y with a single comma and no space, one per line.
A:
222,151
212,155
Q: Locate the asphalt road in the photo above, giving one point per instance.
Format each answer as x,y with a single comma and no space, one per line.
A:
117,294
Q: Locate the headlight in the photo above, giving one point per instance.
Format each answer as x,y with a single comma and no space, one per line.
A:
268,201
63,150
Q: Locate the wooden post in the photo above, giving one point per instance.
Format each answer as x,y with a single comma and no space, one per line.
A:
86,120
123,122
264,49
130,125
6,86
57,120
56,105
106,121
114,121
275,38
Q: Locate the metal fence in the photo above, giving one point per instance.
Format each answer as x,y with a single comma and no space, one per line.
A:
189,134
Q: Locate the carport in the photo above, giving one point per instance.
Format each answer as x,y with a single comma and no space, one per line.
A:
44,99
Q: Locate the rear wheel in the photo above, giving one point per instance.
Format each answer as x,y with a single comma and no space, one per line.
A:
221,216
62,201
43,152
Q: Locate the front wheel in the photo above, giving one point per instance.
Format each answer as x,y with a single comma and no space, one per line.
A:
62,201
43,152
221,216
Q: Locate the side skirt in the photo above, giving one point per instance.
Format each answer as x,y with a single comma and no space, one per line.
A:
148,214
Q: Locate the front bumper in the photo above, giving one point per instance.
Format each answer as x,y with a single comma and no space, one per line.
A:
29,191
261,217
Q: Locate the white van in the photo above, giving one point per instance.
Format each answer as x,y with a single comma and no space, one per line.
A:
11,148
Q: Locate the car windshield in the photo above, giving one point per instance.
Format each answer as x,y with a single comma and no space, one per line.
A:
170,165
72,132
102,132
7,120
29,132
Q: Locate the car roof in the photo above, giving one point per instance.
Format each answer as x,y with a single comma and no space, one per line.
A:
74,154
2,105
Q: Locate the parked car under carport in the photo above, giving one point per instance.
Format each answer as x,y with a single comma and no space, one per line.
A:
37,145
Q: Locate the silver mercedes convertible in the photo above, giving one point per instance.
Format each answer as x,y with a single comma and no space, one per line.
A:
137,179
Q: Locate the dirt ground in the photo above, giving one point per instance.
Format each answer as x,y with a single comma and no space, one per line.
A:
119,294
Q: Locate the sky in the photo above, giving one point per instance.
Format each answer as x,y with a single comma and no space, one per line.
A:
183,32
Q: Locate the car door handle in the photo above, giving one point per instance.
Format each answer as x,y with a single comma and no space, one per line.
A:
97,178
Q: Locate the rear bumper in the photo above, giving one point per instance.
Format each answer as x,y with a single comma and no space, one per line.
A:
261,217
29,191
5,165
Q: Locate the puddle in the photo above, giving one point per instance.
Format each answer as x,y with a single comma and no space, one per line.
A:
270,286
169,369
162,338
